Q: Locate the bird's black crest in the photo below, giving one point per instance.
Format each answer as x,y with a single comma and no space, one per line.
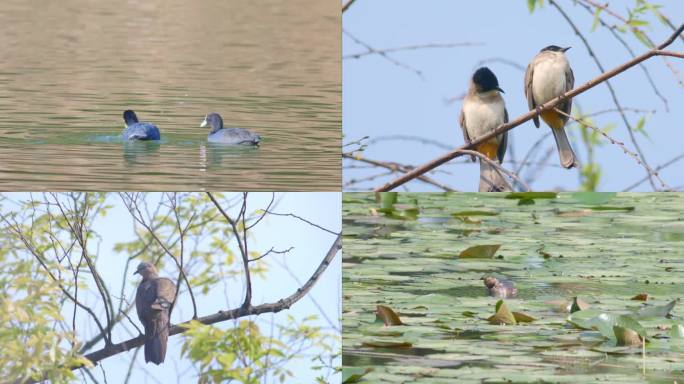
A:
485,80
554,48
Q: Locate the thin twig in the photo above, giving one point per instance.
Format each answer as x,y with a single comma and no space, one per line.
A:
245,259
272,250
619,144
498,166
372,51
385,56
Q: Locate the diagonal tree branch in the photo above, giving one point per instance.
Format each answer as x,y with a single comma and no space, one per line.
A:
529,115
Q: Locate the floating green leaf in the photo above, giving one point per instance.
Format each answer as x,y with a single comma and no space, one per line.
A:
655,311
354,375
474,213
480,251
593,198
503,315
523,317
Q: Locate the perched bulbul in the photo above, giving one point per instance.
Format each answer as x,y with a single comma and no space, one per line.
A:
548,76
483,110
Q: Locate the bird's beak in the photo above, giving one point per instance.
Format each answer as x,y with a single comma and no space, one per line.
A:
565,49
500,90
136,272
204,123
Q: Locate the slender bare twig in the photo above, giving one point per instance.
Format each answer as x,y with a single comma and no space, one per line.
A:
243,252
657,169
418,139
385,56
527,116
264,213
382,52
272,250
347,5
498,166
619,144
501,60
400,168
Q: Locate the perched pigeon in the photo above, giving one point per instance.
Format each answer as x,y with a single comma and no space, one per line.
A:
154,302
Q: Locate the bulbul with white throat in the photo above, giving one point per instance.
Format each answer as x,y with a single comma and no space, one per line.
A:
548,76
482,111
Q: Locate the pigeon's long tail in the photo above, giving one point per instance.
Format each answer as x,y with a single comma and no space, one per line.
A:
491,179
155,345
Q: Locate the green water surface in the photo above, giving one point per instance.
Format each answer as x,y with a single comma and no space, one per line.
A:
604,249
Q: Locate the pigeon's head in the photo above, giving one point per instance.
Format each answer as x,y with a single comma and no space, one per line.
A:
146,270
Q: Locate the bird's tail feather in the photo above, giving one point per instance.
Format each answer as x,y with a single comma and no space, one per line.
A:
567,156
155,345
491,179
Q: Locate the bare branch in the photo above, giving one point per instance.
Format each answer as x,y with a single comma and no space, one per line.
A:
347,5
527,116
396,167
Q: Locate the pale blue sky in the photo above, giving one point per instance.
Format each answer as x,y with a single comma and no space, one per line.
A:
380,98
310,246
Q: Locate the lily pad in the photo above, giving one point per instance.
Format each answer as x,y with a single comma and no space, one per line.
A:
354,375
592,198
503,315
474,213
480,251
387,315
655,311
523,317
626,336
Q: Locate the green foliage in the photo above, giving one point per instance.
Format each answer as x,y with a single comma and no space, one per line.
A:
32,347
531,4
43,338
243,353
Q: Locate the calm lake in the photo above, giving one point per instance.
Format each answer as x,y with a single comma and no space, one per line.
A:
70,68
604,249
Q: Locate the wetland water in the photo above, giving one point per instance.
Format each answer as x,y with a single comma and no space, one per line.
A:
70,68
604,249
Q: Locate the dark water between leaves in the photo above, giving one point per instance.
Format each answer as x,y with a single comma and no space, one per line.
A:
604,249
70,68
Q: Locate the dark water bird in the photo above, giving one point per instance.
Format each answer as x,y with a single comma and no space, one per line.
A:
234,136
154,301
138,131
500,288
